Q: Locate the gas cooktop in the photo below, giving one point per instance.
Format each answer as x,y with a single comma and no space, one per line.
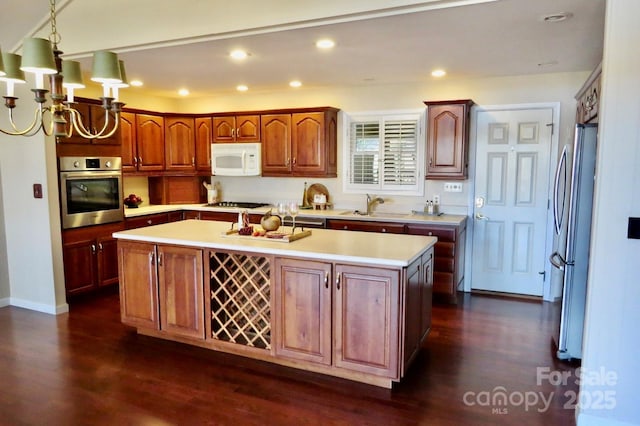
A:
240,204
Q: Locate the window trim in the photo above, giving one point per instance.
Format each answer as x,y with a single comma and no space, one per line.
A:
381,116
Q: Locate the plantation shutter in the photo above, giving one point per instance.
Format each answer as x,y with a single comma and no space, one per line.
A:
400,153
365,151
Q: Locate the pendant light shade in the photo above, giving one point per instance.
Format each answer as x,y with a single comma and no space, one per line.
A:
38,56
12,71
72,75
106,68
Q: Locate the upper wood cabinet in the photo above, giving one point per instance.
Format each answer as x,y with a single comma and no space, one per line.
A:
238,128
204,138
93,119
179,144
128,139
448,139
276,144
588,98
300,144
149,142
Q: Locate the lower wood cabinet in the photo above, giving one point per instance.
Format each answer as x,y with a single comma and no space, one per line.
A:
366,226
357,321
89,256
162,288
349,316
449,256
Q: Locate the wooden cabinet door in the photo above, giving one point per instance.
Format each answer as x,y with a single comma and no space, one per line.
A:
138,284
276,144
303,310
447,139
248,128
79,265
426,293
129,151
366,320
224,129
204,138
98,118
413,310
107,257
179,145
150,141
180,275
307,143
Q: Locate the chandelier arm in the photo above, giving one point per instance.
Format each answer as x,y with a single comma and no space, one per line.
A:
78,125
113,130
106,125
25,132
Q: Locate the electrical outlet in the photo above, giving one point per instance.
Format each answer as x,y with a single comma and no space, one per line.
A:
453,187
436,199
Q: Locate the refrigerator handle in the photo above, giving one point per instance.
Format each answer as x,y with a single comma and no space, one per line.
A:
558,261
557,213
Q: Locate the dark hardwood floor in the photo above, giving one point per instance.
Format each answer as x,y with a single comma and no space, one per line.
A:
86,368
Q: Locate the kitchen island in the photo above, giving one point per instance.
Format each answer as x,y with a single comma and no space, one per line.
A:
349,304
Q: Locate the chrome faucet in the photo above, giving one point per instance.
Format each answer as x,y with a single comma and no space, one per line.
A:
371,202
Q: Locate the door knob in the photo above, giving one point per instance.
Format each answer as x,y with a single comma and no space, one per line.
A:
480,216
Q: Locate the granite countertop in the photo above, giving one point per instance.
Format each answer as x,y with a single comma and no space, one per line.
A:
395,250
415,217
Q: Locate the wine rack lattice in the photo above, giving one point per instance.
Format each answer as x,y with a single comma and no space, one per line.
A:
240,295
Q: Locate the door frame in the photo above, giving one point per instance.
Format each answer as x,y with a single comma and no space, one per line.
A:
555,137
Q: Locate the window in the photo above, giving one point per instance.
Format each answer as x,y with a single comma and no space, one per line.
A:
383,152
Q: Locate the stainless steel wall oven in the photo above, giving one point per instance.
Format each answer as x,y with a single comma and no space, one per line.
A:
90,190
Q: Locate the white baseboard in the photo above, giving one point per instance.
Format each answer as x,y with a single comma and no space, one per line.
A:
40,307
4,302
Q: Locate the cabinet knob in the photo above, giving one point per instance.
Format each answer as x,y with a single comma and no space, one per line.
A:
345,227
384,229
149,222
338,280
93,248
140,160
326,280
100,246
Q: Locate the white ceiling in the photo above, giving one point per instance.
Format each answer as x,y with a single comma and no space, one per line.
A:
171,44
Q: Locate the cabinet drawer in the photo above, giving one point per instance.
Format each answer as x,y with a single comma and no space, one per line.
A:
443,264
367,226
443,282
443,234
147,220
443,249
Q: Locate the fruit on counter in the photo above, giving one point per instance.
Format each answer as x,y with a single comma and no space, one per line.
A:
247,230
270,222
132,200
259,232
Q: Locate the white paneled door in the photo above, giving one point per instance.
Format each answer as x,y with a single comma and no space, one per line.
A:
511,200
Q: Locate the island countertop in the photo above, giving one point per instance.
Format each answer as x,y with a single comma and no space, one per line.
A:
345,246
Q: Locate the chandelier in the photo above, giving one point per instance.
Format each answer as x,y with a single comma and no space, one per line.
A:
41,57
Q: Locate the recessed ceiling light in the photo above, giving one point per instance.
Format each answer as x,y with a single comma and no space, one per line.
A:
242,88
295,83
238,54
438,73
136,83
556,17
183,92
325,43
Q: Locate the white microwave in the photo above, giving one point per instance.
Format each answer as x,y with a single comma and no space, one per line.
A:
236,159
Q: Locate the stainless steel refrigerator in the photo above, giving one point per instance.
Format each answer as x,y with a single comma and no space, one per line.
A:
572,207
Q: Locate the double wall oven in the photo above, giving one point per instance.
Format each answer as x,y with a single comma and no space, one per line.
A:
90,191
